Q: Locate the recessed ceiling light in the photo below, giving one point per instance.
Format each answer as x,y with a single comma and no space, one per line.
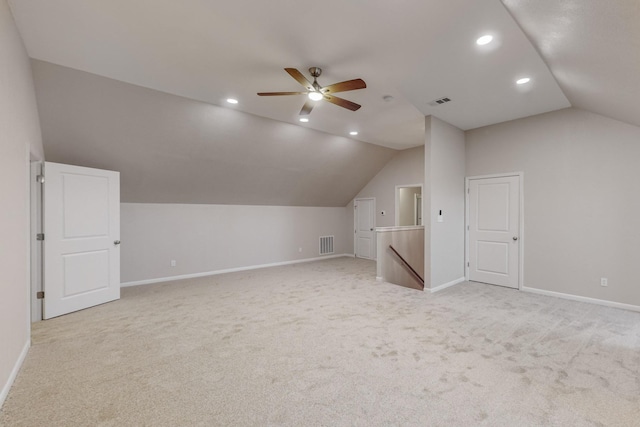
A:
304,119
232,101
353,133
523,80
484,40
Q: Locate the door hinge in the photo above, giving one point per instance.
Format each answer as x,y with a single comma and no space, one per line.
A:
40,294
467,264
40,236
467,228
40,179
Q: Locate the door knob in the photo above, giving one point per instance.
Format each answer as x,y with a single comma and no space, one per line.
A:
371,229
116,242
515,238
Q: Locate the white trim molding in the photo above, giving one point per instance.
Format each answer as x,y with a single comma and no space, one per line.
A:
227,270
582,299
399,228
446,285
14,373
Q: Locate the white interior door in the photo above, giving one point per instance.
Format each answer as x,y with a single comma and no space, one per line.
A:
365,225
82,230
494,228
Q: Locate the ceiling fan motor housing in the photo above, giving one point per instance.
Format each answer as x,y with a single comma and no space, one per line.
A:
315,71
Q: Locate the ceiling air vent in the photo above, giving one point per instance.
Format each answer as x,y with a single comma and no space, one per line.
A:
439,101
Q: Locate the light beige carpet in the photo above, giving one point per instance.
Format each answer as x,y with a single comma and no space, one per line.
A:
324,344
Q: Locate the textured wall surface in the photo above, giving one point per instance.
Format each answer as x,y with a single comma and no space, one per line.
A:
204,238
19,138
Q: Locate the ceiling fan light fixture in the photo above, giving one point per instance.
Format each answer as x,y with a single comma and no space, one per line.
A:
315,96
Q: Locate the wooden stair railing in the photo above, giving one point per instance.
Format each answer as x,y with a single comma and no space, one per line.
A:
413,272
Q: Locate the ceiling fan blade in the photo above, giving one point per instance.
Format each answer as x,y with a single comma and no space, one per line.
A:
307,107
300,78
342,102
280,93
344,86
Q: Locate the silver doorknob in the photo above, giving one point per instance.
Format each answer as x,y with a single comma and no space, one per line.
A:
515,238
116,242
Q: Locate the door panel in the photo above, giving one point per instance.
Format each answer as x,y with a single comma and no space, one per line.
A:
494,226
493,257
365,228
81,225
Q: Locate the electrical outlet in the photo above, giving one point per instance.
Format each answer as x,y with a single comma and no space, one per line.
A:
604,281
173,263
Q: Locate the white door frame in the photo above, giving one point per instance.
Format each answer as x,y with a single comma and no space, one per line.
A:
35,259
355,226
417,219
521,219
397,198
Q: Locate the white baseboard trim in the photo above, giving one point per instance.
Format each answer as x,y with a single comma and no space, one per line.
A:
582,299
14,373
227,270
447,285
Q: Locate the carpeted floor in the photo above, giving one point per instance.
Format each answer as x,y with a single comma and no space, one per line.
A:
324,344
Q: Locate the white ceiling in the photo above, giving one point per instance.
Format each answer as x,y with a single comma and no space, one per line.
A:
413,50
593,49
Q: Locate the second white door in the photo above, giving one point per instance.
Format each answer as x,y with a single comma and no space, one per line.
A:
365,224
494,230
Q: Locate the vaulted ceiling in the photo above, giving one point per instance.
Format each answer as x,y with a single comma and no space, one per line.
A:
592,48
410,52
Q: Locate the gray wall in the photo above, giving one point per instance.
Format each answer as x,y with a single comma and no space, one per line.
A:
444,175
581,198
406,167
205,238
19,138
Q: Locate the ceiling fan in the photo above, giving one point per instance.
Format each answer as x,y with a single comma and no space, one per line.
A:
315,92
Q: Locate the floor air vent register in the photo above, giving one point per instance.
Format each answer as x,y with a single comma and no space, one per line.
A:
326,245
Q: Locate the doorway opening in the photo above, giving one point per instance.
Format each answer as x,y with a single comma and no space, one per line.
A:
408,205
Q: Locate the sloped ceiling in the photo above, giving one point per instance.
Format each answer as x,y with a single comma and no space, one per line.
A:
414,50
593,49
176,150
